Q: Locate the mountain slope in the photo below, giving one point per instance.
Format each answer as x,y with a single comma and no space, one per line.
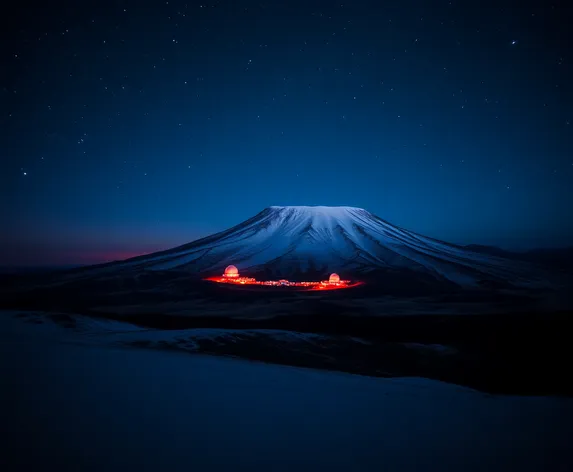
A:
296,240
554,259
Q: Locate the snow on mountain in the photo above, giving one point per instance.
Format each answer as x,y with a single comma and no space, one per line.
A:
289,240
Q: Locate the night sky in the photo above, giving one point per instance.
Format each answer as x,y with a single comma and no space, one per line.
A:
129,127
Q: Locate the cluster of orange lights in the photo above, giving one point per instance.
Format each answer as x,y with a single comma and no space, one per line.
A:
231,276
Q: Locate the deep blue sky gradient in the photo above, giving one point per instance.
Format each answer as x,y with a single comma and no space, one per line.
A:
128,127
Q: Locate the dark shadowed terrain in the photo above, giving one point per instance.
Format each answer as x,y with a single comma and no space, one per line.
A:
497,341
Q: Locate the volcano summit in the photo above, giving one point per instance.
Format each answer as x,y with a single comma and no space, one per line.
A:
406,291
303,241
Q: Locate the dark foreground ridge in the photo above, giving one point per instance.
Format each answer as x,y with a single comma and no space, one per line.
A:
521,354
496,341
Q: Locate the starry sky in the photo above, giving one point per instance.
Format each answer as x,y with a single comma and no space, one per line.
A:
132,126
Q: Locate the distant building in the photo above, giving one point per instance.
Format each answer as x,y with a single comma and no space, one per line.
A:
231,276
231,272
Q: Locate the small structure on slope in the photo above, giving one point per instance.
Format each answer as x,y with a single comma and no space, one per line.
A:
334,278
231,276
231,272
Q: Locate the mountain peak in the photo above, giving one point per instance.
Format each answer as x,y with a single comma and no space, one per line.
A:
291,240
317,209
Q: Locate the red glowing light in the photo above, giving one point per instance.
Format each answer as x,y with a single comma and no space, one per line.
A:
231,276
231,271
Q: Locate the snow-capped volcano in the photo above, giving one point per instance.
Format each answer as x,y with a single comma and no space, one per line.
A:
294,240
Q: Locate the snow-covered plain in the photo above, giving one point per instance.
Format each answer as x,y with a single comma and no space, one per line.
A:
71,405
